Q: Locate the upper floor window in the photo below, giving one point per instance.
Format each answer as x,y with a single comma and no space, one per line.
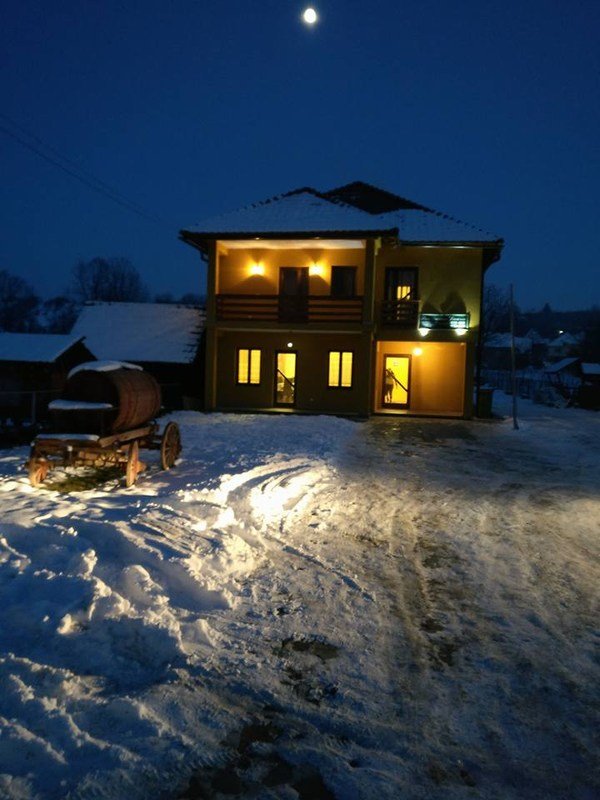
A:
248,366
343,281
340,369
401,283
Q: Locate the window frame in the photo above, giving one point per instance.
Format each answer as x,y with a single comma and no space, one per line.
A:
339,386
249,382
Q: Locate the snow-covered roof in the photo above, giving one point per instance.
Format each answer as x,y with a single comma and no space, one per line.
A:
560,365
302,211
340,211
41,348
147,332
503,340
590,369
416,225
565,339
102,366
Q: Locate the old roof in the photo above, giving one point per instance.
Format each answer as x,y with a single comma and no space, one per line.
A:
354,209
41,348
564,363
147,332
303,211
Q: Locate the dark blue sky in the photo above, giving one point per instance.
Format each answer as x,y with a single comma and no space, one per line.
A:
489,111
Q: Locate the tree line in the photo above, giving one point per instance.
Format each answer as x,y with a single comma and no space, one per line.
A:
99,279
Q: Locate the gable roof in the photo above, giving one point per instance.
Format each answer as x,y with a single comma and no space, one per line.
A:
41,348
371,199
300,212
416,223
147,332
356,210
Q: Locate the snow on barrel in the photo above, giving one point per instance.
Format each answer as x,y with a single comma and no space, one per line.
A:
106,397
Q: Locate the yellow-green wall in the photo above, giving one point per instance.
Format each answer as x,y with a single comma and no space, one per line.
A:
234,274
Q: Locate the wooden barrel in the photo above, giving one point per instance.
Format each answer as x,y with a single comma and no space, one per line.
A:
133,394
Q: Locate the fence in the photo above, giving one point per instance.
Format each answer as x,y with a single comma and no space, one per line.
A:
532,386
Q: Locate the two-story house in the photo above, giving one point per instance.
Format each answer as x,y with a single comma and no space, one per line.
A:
353,300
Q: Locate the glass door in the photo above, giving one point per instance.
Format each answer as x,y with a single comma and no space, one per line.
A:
285,378
396,382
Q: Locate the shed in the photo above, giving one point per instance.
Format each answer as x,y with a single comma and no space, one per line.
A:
165,339
34,369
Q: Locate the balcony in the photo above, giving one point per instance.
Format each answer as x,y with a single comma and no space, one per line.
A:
291,309
400,313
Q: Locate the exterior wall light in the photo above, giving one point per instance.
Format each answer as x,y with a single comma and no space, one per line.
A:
315,269
418,351
257,269
424,331
290,344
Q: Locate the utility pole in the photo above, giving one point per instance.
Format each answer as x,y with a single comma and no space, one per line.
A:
513,360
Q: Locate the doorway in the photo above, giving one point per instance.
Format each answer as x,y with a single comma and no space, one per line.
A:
285,378
396,381
293,294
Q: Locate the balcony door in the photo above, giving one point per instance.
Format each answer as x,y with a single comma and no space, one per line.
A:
285,378
293,294
396,382
400,304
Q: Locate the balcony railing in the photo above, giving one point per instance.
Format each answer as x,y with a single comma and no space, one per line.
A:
400,313
283,308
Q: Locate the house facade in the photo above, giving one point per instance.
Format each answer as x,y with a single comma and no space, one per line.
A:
352,301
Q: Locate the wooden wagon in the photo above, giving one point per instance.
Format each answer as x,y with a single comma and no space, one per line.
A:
108,411
89,450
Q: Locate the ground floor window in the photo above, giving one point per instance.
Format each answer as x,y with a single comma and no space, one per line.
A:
248,366
340,369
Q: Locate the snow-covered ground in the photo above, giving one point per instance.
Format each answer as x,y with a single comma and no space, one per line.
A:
310,607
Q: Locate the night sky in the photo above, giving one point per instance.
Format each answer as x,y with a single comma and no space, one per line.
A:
489,111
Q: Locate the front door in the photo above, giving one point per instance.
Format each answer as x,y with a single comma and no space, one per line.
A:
285,378
293,294
396,382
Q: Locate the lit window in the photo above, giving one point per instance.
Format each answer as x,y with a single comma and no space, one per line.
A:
340,370
248,366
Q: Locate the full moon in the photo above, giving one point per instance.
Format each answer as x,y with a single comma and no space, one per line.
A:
310,16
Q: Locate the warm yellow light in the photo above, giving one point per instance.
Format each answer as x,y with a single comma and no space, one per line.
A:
257,269
423,331
316,269
418,351
460,331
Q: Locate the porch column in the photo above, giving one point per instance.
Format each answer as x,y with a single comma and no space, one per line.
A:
367,385
210,371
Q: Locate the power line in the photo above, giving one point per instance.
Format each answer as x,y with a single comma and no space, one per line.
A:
72,169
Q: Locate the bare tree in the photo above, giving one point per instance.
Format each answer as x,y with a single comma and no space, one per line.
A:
18,304
107,279
58,314
496,310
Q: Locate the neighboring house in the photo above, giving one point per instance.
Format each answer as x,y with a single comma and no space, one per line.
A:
34,368
565,345
589,392
165,339
497,351
350,301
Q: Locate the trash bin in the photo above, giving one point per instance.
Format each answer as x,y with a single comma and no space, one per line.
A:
484,402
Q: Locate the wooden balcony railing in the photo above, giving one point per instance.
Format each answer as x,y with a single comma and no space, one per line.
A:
400,313
282,308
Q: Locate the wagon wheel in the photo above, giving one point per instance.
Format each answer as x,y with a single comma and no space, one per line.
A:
133,464
170,445
38,470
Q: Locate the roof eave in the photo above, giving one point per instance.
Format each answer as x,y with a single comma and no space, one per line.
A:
200,240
